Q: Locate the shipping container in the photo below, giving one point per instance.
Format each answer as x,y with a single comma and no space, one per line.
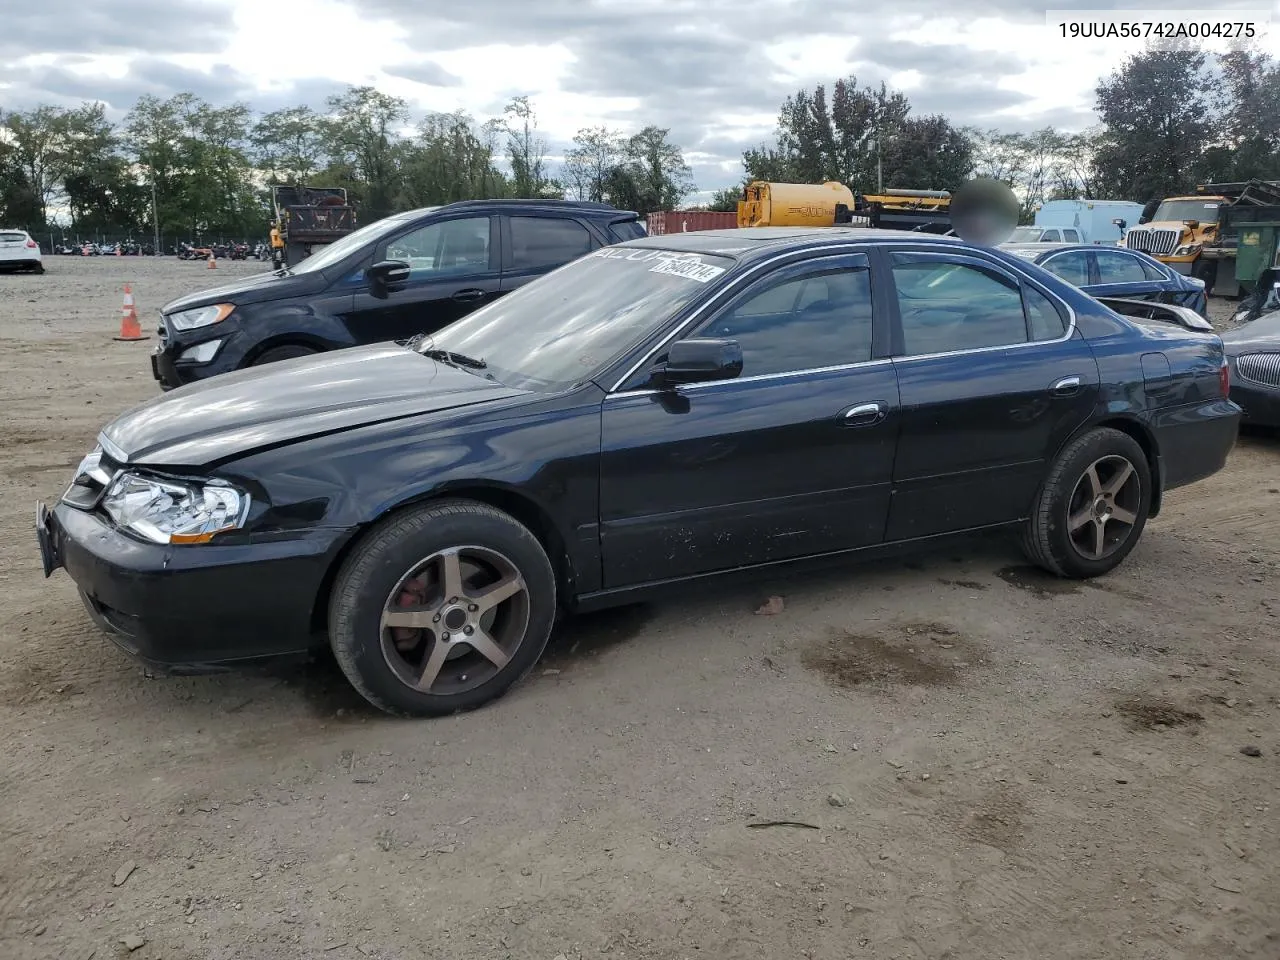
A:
687,221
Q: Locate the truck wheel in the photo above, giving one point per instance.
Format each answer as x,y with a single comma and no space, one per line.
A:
1206,270
442,608
1091,510
286,352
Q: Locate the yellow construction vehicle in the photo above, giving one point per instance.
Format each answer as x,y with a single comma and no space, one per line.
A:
1197,235
830,204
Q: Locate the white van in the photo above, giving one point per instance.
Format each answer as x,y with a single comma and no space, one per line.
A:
1081,221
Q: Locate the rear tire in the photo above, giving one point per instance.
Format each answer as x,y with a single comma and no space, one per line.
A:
38,268
1090,512
286,352
442,608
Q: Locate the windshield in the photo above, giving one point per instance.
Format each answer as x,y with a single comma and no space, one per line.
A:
560,330
1204,210
330,254
1025,235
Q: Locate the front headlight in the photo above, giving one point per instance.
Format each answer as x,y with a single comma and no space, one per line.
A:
201,316
174,511
1186,249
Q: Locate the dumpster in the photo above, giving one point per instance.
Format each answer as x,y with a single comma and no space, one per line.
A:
1256,252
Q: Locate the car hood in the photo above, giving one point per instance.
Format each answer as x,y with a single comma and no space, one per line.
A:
236,413
1263,333
255,289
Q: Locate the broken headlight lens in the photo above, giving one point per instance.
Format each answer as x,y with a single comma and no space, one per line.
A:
174,511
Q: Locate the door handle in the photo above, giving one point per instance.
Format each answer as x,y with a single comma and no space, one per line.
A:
864,414
1066,387
466,296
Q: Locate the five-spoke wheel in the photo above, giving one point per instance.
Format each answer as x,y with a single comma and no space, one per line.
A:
442,608
1092,507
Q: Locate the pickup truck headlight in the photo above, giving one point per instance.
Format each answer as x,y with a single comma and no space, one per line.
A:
1186,249
200,316
164,510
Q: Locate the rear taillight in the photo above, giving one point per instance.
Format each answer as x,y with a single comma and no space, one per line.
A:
31,244
1224,378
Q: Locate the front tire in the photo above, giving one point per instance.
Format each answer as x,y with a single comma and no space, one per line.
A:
442,608
287,352
1090,512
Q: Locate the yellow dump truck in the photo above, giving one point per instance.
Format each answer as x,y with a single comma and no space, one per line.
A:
1197,235
828,204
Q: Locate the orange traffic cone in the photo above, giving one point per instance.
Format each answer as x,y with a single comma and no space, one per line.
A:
129,327
213,261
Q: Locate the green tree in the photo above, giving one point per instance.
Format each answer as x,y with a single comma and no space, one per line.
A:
289,144
842,140
450,160
595,153
726,200
527,151
926,153
364,132
1248,142
1157,113
658,169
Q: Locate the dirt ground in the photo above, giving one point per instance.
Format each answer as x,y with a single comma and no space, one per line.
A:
982,762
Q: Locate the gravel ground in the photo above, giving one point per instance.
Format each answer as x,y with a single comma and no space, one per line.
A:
988,763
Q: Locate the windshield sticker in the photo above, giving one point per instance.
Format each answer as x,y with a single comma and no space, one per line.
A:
687,265
690,267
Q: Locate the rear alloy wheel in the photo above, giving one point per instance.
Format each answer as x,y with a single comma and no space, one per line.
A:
1092,508
442,609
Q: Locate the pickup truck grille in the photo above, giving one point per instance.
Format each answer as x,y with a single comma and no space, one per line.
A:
1261,368
1158,243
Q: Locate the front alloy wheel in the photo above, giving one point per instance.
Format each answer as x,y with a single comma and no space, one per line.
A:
441,608
454,620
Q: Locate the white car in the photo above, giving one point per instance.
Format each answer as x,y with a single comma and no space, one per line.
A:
19,252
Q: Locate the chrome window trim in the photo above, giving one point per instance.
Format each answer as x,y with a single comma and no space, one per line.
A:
808,371
887,247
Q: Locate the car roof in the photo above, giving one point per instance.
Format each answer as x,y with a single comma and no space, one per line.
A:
747,242
581,207
1024,248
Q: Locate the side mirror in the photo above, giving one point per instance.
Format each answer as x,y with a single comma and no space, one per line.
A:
696,361
1120,223
1192,223
388,273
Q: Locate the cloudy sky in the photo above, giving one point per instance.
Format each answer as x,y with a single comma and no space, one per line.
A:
714,71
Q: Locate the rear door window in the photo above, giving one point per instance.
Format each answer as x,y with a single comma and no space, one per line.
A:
1072,267
539,243
947,307
1071,236
627,230
1051,236
1119,268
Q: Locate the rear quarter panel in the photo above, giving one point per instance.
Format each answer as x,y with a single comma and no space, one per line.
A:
1190,425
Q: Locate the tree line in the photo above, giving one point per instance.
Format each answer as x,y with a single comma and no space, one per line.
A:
1166,120
206,169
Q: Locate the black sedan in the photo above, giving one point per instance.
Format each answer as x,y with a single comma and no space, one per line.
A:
659,411
1254,353
1115,272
